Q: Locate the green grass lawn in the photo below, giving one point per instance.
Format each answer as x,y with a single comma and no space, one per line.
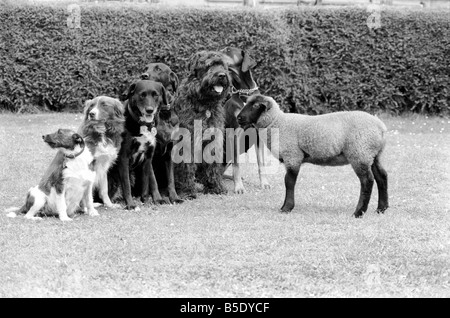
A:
238,245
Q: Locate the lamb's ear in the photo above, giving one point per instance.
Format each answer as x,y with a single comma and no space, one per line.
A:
247,62
268,102
174,81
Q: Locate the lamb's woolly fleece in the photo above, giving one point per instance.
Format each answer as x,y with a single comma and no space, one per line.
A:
339,138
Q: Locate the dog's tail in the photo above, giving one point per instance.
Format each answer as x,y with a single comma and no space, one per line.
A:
12,212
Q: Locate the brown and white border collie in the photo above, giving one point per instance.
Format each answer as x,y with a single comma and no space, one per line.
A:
66,184
102,128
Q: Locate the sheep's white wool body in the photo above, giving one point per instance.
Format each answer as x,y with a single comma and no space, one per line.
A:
340,138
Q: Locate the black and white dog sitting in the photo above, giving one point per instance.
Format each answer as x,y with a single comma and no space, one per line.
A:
66,184
143,101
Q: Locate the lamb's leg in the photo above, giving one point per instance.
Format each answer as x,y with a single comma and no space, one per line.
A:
289,181
381,178
261,166
366,179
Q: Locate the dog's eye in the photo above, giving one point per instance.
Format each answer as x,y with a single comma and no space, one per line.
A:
144,95
154,94
256,106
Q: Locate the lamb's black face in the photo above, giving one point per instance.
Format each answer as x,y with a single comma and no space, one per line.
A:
249,115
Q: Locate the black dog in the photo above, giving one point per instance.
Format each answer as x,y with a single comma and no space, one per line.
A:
160,72
167,124
239,66
143,100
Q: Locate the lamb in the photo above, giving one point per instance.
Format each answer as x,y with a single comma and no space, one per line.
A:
354,137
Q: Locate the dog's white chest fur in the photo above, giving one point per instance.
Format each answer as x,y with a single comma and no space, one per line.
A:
105,155
78,168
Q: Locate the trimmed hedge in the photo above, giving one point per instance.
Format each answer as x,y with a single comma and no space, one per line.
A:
312,60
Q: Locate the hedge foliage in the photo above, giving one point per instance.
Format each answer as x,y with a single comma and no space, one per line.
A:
312,60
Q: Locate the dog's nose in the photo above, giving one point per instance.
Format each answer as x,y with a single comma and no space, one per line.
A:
144,76
222,75
149,110
91,115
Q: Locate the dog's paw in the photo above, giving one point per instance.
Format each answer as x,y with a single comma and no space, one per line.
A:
65,219
35,218
113,206
239,189
11,215
176,200
162,201
93,212
97,204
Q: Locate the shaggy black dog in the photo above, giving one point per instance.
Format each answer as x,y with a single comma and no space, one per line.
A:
199,104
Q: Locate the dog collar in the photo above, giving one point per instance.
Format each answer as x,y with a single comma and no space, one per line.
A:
243,91
72,156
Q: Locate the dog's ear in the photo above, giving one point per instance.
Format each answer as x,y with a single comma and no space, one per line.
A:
247,62
164,97
193,62
174,81
77,139
130,92
87,104
118,108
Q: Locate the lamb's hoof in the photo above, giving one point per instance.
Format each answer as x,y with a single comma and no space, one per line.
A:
137,209
358,214
286,209
381,210
97,204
